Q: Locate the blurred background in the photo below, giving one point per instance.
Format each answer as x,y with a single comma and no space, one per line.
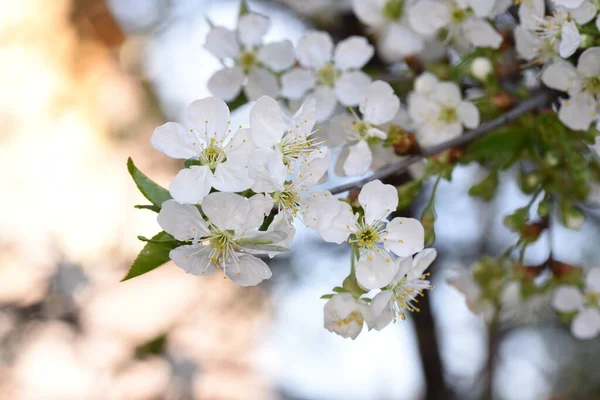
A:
83,83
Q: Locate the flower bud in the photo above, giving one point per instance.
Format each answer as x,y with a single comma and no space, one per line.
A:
544,208
481,68
503,101
405,144
517,220
531,232
586,41
529,182
572,217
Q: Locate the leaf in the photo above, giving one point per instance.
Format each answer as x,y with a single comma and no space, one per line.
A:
153,347
500,145
244,9
238,102
147,207
155,193
153,255
327,296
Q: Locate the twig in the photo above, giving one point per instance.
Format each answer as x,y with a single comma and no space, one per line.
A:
537,101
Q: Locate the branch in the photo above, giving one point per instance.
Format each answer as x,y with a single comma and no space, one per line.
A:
537,101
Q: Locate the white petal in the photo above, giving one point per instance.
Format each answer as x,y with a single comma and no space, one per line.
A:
531,12
175,141
421,108
231,176
399,41
339,228
589,62
570,40
336,131
447,93
183,221
319,209
226,83
578,112
527,44
567,299
313,168
375,269
266,122
427,17
359,159
304,119
592,280
368,12
351,87
561,75
353,53
338,308
481,33
583,13
468,114
210,117
569,3
405,266
226,210
248,271
426,83
295,83
193,259
251,28
404,236
192,184
482,8
378,200
379,105
281,224
267,170
381,313
586,325
261,83
278,56
421,262
314,49
326,102
222,43
240,147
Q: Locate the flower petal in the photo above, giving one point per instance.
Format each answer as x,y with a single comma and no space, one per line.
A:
378,200
570,40
427,17
193,259
562,75
592,280
222,43
531,12
260,207
567,298
379,105
380,308
261,83
210,116
226,83
586,325
248,271
251,29
578,112
227,211
421,262
296,82
313,168
314,49
267,170
304,119
399,41
359,159
266,122
404,236
351,87
375,269
175,141
583,13
369,12
231,176
468,114
183,221
353,53
589,62
240,147
326,102
338,228
447,93
278,56
481,33
191,185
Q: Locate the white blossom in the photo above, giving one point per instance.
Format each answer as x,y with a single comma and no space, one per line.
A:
249,64
402,293
222,155
481,68
582,11
226,240
583,86
379,106
345,315
439,112
374,236
586,305
328,75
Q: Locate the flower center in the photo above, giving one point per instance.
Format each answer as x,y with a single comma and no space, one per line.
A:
592,298
448,115
327,75
213,154
287,200
367,238
292,147
592,85
247,60
353,316
362,128
393,9
406,295
459,15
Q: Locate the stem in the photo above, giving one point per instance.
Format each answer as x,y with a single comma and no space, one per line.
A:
434,192
537,101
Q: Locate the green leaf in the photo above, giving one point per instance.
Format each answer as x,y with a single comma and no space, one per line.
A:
486,188
327,296
500,145
154,347
338,289
153,255
244,9
156,194
238,102
147,207
190,162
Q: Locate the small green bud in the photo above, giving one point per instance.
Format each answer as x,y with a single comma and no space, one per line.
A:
529,182
586,41
486,188
517,220
544,208
571,216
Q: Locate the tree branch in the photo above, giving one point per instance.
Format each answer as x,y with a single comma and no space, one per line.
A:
540,100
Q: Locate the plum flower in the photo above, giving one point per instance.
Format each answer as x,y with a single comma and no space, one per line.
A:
586,305
378,107
221,157
401,294
389,18
248,62
329,76
439,112
375,237
464,20
582,11
226,240
345,315
583,86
